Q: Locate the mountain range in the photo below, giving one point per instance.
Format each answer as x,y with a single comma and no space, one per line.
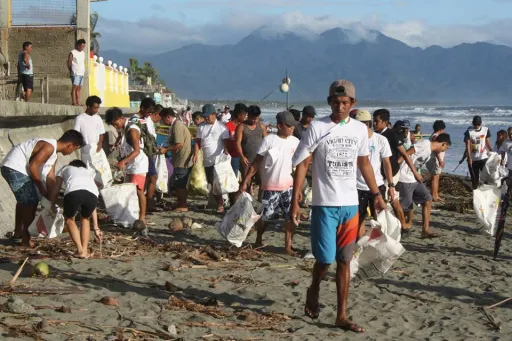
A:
381,68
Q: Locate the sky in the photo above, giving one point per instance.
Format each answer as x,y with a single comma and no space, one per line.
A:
156,26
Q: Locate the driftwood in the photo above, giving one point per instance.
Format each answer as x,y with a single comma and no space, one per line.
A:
17,274
48,291
499,303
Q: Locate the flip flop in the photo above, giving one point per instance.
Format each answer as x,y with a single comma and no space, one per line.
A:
180,210
312,314
351,327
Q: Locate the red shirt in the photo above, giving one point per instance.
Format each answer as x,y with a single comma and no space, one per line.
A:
231,126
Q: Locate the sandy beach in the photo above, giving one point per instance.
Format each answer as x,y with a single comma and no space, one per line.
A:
432,292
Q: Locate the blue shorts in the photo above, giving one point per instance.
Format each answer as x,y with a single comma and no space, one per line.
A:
152,168
235,164
77,80
22,186
334,233
181,176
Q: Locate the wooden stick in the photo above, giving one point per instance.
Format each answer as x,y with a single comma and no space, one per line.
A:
499,303
17,274
51,291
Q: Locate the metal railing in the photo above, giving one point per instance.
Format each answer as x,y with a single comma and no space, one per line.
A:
43,87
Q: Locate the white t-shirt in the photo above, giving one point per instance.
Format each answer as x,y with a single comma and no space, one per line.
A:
419,158
506,147
91,127
212,141
277,164
225,117
379,149
151,126
78,63
141,163
78,178
19,156
336,149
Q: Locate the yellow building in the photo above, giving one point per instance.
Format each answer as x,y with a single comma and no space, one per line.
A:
109,82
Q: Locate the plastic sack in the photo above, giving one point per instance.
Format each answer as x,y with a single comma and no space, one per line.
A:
238,221
197,183
224,178
389,224
47,224
486,202
493,171
122,203
163,174
375,255
99,163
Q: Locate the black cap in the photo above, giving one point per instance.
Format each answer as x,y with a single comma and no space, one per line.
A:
402,124
286,117
477,120
309,111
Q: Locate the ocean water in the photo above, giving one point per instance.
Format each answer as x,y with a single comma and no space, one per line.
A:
457,120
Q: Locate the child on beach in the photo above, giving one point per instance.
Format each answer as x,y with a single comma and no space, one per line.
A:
29,169
436,163
275,153
501,137
81,196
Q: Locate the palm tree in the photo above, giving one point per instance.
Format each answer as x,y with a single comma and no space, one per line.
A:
95,46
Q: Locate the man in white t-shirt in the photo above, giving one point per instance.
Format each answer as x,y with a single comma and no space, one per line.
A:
91,126
414,192
134,161
380,152
337,146
76,66
274,158
213,139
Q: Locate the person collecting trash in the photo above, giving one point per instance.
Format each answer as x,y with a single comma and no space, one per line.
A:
81,196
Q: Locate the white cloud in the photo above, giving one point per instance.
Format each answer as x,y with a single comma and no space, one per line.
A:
158,34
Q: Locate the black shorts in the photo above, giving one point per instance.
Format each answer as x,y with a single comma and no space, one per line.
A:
82,200
27,81
209,174
181,176
366,200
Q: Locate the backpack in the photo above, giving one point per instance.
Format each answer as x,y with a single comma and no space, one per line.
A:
149,140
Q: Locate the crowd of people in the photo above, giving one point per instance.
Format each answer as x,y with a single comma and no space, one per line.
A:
358,162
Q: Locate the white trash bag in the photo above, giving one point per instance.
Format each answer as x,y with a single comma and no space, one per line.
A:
238,221
224,179
47,224
486,203
122,203
389,224
493,171
99,163
163,174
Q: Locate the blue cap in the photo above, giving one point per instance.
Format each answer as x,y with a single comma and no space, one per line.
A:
208,109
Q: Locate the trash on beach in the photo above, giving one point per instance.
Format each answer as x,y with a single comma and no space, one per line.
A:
122,203
109,300
175,225
196,226
309,255
486,202
41,269
187,222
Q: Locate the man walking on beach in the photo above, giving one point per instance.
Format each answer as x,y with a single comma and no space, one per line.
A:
275,154
76,66
380,152
212,138
308,115
91,126
248,136
25,71
478,144
380,125
134,160
436,163
180,144
338,146
415,192
239,116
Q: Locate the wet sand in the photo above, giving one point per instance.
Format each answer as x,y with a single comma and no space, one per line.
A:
432,292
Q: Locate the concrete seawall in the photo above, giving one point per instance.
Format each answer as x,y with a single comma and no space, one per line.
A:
21,121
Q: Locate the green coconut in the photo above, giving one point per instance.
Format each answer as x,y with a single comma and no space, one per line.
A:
175,225
41,269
